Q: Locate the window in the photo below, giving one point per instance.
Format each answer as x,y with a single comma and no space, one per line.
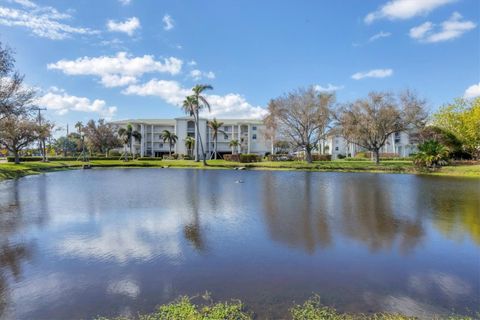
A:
336,148
254,127
225,136
254,137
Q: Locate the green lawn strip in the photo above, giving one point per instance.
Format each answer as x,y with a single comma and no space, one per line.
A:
12,171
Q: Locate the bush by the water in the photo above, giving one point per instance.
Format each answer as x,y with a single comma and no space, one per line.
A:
312,309
231,157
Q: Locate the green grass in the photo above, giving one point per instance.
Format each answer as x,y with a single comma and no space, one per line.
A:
312,309
11,170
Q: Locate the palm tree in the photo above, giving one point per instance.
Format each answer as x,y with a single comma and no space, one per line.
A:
171,138
215,126
189,144
79,126
234,144
200,102
126,134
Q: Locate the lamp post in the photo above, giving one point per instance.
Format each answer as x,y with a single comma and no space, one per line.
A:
42,139
82,134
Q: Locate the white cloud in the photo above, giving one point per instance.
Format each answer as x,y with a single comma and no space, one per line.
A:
119,70
379,35
125,2
45,22
420,31
198,74
376,73
405,9
168,22
62,103
128,26
472,92
192,63
329,88
450,29
231,105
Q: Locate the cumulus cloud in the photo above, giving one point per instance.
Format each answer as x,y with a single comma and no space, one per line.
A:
405,9
231,105
125,2
328,88
198,74
472,92
168,23
128,26
119,70
61,102
376,73
42,21
450,29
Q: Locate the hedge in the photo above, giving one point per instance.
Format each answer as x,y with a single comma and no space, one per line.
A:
231,157
31,159
247,158
150,158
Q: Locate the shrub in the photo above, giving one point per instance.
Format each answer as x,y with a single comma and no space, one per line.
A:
341,156
231,157
321,157
174,156
280,157
149,158
114,153
247,158
431,154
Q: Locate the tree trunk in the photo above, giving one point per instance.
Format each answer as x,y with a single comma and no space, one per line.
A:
216,138
169,150
377,156
201,143
126,152
308,154
17,158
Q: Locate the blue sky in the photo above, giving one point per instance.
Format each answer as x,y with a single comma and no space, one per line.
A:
137,59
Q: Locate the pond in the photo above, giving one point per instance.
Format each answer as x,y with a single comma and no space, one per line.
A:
79,244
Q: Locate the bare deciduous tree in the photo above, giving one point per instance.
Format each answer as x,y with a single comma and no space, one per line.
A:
101,136
15,97
369,122
301,117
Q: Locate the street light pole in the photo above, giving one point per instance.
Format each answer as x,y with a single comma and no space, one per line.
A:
42,139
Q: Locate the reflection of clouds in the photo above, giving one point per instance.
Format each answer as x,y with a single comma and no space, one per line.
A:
125,239
450,285
124,287
39,290
410,307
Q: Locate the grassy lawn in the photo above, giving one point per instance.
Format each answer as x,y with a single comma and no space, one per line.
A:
11,170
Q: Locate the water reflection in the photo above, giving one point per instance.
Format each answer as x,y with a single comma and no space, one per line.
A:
123,241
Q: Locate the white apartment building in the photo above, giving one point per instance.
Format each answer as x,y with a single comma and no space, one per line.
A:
248,132
402,144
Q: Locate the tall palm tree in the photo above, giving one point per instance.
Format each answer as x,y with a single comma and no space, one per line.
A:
215,126
189,144
234,145
126,135
79,126
171,138
200,102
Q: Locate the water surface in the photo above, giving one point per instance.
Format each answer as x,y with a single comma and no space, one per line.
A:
79,244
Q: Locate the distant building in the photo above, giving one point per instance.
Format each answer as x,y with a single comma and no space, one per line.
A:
400,144
248,132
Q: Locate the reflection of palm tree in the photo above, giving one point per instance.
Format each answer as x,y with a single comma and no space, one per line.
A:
171,138
215,127
193,230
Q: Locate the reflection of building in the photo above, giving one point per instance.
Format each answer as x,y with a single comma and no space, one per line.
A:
248,132
400,144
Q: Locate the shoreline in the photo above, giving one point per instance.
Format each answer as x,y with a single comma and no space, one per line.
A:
14,171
